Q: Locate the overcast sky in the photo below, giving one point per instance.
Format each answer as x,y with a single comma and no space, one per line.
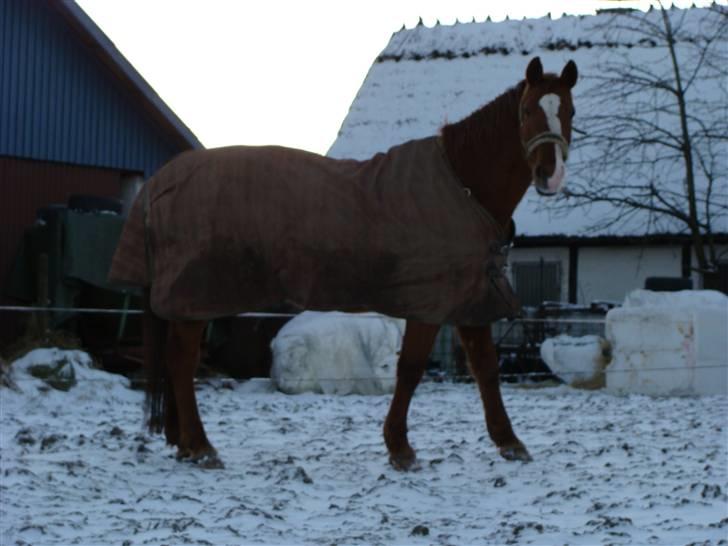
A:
275,71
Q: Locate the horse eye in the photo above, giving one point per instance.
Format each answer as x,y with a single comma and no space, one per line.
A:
526,112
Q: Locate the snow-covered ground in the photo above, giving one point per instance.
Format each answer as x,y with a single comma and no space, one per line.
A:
77,468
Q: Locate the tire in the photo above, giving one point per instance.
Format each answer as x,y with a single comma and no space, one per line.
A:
668,284
93,203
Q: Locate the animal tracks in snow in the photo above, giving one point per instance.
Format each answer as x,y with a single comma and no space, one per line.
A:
312,469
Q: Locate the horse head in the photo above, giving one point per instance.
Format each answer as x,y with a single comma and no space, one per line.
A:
545,114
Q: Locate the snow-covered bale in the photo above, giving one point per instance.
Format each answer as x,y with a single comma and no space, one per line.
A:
337,353
669,343
578,361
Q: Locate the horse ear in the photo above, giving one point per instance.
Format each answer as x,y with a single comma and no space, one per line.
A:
534,72
569,74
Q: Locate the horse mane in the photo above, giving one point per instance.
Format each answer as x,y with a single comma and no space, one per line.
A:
486,129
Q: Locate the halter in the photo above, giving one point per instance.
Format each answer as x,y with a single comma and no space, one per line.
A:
545,137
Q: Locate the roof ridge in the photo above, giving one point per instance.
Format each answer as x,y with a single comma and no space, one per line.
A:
464,40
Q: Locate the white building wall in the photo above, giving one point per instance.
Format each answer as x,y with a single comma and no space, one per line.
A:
609,273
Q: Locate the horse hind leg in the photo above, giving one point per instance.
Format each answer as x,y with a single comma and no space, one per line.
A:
416,346
182,359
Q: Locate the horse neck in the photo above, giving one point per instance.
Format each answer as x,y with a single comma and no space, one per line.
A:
486,153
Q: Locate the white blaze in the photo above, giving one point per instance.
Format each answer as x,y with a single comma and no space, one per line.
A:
550,105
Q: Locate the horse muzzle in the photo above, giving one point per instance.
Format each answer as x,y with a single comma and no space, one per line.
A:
549,183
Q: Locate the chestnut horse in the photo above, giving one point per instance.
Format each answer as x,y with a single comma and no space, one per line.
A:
521,137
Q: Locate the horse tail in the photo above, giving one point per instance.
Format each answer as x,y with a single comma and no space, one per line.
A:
154,333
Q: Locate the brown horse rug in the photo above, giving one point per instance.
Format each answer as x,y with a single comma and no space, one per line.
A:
222,231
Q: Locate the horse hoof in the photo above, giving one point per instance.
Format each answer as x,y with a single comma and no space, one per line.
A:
209,461
183,454
516,453
404,463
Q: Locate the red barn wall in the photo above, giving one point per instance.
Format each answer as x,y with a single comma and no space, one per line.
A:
26,186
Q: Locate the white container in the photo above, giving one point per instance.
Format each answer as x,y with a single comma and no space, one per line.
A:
578,361
669,343
337,353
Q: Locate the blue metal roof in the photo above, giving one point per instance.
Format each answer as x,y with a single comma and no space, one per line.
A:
68,95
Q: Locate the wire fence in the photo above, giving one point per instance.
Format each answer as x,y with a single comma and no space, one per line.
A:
104,311
430,376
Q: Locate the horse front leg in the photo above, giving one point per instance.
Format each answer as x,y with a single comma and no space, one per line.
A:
416,346
182,359
483,360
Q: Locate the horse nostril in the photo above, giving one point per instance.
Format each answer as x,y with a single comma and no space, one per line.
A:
541,172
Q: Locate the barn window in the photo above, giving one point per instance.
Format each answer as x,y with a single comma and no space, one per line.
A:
536,282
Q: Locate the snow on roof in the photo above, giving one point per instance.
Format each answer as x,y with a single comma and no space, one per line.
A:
428,77
527,36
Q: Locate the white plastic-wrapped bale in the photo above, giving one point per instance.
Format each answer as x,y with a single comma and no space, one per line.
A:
669,343
578,361
337,353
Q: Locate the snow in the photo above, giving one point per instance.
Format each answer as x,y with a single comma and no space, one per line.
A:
578,361
669,343
89,382
528,36
674,300
77,468
337,353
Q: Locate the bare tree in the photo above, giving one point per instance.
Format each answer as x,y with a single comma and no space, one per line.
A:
655,140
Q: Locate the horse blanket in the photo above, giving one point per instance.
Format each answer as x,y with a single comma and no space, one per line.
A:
222,231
